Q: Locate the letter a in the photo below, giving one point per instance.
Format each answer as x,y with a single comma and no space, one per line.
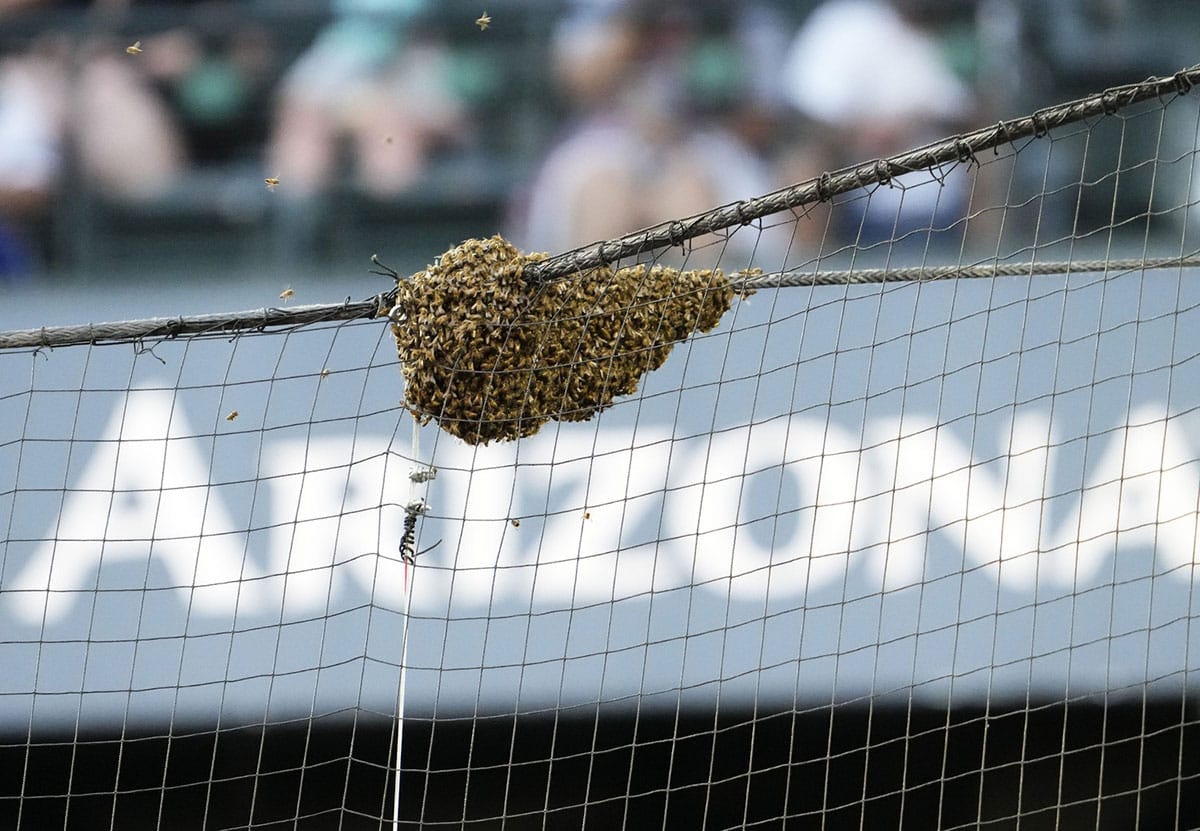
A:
144,495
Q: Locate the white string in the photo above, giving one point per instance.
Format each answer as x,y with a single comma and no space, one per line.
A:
400,693
413,500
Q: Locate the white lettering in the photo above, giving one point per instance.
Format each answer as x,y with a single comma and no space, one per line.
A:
706,500
144,496
579,516
326,499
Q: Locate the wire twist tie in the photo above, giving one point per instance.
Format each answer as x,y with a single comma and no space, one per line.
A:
824,187
965,154
883,172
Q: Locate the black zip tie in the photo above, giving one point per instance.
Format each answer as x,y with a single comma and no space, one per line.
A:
387,271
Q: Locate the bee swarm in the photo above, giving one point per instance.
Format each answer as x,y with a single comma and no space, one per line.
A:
491,356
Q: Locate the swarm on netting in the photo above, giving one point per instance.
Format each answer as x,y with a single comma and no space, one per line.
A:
491,356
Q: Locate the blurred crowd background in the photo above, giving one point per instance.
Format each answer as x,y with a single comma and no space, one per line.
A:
134,132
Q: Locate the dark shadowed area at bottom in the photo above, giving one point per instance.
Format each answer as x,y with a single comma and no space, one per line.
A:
1083,765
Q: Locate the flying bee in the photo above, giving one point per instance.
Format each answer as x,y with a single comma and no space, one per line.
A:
287,294
232,415
272,182
483,22
134,49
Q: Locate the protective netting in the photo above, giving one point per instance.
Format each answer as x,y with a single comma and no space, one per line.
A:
874,545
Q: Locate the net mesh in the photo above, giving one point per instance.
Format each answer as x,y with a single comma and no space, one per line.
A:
882,545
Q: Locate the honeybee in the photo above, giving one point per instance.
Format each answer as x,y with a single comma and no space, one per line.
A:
483,22
516,523
232,415
272,182
325,373
134,49
587,514
287,294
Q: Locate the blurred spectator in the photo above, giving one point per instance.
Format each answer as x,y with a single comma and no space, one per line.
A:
30,157
128,142
130,123
876,77
192,94
32,113
652,138
370,91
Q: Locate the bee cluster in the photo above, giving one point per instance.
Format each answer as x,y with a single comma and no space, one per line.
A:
492,356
